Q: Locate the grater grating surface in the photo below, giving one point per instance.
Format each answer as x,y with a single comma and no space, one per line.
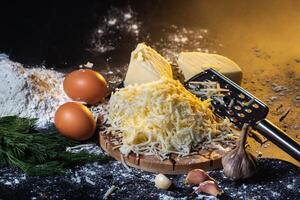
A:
236,103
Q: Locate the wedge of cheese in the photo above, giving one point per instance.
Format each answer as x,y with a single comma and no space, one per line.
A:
146,65
192,63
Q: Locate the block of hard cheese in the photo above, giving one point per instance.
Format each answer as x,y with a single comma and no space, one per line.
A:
146,65
192,63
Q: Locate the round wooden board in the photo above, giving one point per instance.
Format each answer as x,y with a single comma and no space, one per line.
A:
176,165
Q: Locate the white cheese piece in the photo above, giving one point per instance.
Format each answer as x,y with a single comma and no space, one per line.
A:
146,65
192,63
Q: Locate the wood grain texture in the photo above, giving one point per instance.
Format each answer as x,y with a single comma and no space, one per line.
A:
175,165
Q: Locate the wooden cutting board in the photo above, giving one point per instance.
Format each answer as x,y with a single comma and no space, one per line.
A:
176,165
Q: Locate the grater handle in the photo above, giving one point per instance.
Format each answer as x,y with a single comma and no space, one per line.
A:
278,137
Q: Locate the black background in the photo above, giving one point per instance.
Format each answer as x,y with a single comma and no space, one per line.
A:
56,33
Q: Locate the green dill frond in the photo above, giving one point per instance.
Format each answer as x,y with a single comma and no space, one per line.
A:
36,153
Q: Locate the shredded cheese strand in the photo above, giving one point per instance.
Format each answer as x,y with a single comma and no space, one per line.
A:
109,191
162,117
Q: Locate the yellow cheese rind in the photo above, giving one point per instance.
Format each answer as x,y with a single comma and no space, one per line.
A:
146,65
192,63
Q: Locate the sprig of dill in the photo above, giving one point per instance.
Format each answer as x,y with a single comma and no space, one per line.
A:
36,153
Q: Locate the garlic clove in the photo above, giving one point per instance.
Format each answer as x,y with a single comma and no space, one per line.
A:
239,163
197,176
209,187
162,182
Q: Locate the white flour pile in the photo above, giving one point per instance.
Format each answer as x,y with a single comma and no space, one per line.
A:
33,93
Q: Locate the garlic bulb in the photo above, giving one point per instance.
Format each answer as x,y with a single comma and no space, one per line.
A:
162,182
239,163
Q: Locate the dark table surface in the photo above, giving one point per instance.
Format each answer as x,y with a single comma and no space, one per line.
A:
274,180
261,36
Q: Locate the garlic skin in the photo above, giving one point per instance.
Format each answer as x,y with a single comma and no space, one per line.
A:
99,120
196,176
162,182
209,187
239,163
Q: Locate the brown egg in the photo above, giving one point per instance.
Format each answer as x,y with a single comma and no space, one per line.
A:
85,85
75,121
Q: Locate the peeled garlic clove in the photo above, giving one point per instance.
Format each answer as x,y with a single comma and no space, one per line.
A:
209,187
196,176
162,182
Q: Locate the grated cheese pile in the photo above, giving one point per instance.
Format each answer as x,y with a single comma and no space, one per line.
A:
208,89
162,117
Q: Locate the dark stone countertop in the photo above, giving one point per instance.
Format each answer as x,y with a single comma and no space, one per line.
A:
274,180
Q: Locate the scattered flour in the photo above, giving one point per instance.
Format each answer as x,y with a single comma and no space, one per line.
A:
91,148
166,197
10,178
106,36
30,92
94,179
176,39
